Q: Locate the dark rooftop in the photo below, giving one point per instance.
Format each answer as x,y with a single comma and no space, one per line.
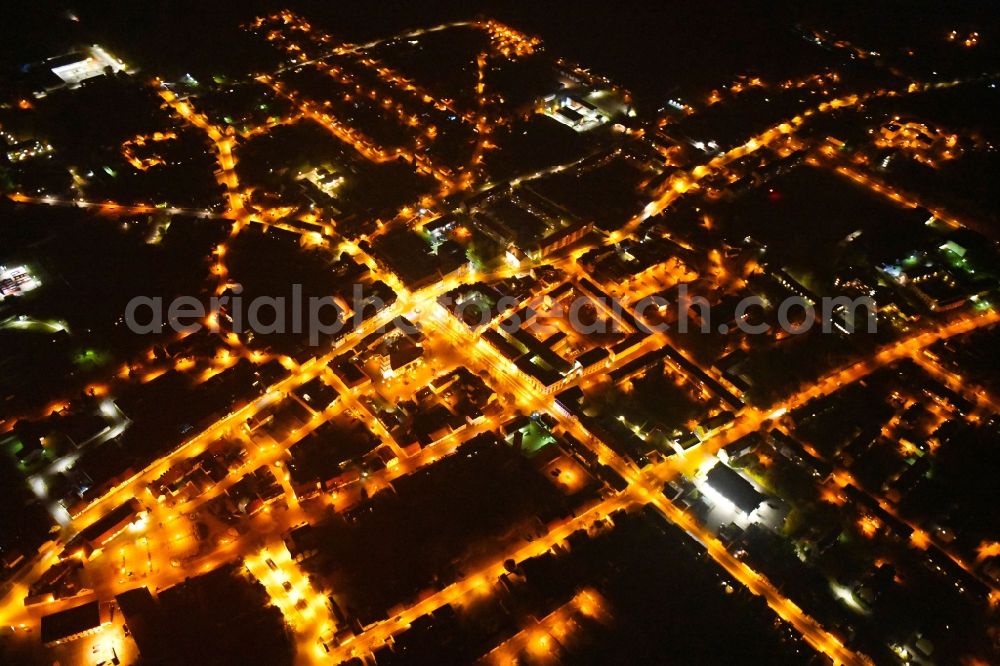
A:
64,624
735,488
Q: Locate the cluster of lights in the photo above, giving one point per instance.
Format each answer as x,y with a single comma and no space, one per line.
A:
968,40
144,163
510,42
924,144
29,151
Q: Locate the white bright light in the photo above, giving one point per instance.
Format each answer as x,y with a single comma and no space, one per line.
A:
719,500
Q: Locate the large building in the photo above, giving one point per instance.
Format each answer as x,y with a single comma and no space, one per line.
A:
733,488
74,68
74,623
573,112
15,281
104,530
